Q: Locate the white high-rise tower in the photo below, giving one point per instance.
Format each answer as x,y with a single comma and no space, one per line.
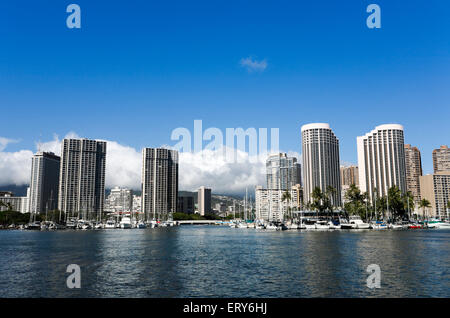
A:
320,155
381,160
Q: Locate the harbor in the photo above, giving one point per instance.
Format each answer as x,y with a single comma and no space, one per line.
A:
218,261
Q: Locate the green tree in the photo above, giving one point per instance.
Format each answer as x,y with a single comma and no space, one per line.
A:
317,200
328,198
355,201
396,202
287,197
424,204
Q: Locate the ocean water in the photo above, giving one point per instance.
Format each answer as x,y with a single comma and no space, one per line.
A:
214,261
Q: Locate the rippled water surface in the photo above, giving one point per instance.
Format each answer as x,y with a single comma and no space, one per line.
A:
211,261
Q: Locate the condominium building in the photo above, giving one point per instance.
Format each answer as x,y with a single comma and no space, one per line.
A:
186,204
119,200
159,182
137,203
82,177
17,204
320,154
282,172
204,200
349,175
45,168
413,166
441,159
270,206
381,160
436,189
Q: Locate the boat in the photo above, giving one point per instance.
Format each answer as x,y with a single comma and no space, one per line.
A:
442,225
322,225
334,225
378,225
241,225
397,226
125,223
99,226
414,226
141,225
110,224
357,223
152,224
271,227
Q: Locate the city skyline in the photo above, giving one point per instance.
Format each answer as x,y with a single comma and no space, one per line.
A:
315,62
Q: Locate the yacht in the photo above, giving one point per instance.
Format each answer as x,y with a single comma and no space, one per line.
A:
110,224
322,225
355,222
334,225
125,223
378,225
141,225
152,224
271,227
241,225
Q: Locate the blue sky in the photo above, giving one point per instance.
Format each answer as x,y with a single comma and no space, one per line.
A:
136,70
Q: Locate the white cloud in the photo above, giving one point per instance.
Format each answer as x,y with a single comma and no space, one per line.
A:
253,65
5,141
123,168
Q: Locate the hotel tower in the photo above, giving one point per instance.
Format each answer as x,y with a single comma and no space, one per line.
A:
320,155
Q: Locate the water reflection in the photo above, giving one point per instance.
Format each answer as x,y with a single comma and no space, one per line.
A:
206,261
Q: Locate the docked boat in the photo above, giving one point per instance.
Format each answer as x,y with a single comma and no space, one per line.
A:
241,225
322,225
271,227
152,224
125,223
110,224
357,223
378,225
141,225
442,225
334,225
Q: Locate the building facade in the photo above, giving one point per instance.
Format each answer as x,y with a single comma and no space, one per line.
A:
186,204
441,159
45,169
17,204
320,154
282,172
204,200
119,200
82,177
381,160
436,189
413,166
270,206
159,182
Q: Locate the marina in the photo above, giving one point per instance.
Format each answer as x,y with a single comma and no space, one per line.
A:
218,261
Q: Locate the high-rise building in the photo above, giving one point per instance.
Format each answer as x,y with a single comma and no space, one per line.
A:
441,159
17,204
349,176
269,203
119,200
137,202
45,168
282,172
413,166
186,204
436,189
381,160
204,200
320,153
159,182
82,177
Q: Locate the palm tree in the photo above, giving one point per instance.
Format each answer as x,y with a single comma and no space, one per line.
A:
424,204
287,197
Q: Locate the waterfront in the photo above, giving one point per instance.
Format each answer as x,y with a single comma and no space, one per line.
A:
213,261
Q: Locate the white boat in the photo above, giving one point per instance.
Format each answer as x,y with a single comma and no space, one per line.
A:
334,226
293,226
355,222
125,223
152,224
378,226
241,225
110,224
271,227
442,225
322,225
99,226
396,226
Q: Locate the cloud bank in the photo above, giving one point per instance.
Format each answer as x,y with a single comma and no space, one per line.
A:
123,167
